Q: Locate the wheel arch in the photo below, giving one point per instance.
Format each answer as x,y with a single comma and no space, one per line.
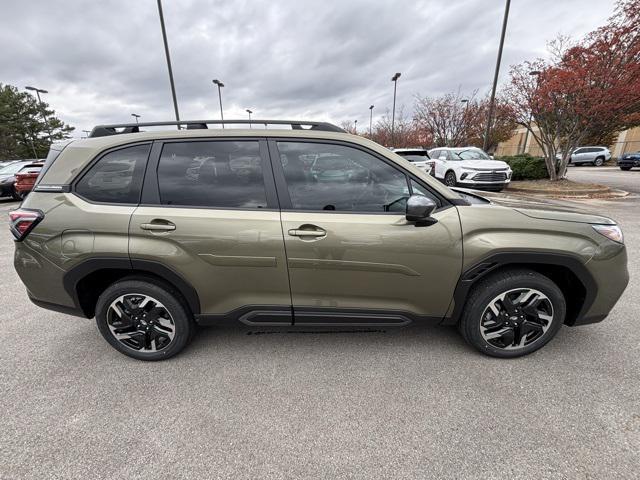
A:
87,280
565,270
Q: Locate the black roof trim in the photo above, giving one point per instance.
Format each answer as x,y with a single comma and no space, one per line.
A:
106,130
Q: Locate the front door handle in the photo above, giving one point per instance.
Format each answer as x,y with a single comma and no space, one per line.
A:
307,231
158,226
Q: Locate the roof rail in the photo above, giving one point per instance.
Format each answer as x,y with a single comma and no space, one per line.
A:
106,130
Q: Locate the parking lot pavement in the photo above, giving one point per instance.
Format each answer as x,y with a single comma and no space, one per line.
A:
407,403
610,176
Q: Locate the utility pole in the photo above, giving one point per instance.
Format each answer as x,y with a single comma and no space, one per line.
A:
249,111
371,121
168,56
220,85
394,79
495,77
42,111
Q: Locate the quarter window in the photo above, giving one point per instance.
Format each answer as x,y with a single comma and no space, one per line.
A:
116,177
223,174
329,177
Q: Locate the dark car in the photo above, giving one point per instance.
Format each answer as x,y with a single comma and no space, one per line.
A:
8,177
629,160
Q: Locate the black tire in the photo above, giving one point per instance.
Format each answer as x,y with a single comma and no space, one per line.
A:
482,294
450,179
168,298
598,162
17,195
626,169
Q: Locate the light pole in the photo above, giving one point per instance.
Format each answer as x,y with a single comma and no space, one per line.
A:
394,79
166,52
42,112
136,116
535,73
495,76
371,121
220,85
464,114
355,127
249,112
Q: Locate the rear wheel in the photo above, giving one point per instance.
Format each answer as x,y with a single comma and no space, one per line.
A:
18,195
598,161
144,320
626,169
512,313
450,179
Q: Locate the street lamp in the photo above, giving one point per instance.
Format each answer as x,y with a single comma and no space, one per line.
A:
249,112
136,116
355,126
394,79
534,73
495,76
42,112
220,85
168,57
370,121
87,132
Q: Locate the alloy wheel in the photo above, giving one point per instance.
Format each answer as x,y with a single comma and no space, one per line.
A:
516,318
450,179
140,322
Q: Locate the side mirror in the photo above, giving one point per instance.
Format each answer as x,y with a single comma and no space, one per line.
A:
442,157
419,210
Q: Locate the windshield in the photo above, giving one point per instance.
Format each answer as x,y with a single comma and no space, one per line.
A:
470,154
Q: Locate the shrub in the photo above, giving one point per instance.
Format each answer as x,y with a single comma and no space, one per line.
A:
526,167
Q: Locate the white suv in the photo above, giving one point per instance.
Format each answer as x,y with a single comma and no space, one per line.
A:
594,155
418,156
470,167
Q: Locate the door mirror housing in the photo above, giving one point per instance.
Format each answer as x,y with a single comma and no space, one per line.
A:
419,210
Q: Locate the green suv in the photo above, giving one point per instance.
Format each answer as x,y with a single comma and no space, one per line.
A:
153,232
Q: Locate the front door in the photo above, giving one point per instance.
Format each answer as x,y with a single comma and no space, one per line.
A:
352,256
209,212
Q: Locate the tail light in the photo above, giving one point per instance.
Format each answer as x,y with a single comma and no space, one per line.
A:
23,221
432,164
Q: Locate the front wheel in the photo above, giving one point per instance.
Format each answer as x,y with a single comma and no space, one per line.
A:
450,179
144,320
512,313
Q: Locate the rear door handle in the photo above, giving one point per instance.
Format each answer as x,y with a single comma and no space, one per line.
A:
158,226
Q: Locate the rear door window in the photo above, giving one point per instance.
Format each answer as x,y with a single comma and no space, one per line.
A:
216,174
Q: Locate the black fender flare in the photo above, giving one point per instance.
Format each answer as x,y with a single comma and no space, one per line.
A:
86,267
494,261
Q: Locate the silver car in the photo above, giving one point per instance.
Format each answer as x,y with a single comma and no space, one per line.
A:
593,155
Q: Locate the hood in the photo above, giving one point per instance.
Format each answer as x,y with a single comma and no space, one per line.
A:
484,164
544,209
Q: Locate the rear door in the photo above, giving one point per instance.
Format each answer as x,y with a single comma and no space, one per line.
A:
209,212
352,256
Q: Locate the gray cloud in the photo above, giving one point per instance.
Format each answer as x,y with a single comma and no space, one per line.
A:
326,60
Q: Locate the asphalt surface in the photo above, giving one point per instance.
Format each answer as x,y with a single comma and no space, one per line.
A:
610,176
408,403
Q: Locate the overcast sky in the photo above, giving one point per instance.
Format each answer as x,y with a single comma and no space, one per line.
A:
320,60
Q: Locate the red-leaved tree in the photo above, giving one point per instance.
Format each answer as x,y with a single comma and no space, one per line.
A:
589,90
